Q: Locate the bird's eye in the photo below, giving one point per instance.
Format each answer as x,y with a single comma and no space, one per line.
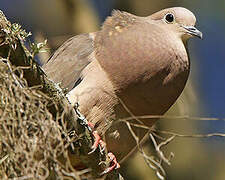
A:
169,17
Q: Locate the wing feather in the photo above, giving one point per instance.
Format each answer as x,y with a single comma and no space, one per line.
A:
69,60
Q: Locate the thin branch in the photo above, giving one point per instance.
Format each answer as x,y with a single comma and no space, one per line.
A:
151,162
157,148
70,175
160,172
191,135
173,117
4,158
129,112
23,177
177,134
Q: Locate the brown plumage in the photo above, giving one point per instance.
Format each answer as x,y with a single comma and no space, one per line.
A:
139,61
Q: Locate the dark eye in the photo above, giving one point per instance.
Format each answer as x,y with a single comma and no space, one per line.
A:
169,17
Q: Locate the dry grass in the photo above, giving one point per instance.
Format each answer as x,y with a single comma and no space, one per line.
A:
30,138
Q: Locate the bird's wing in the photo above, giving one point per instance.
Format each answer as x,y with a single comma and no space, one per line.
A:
69,60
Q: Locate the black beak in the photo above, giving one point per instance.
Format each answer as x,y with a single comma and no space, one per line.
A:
193,31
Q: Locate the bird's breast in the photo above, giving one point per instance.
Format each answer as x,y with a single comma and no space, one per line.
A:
147,66
153,96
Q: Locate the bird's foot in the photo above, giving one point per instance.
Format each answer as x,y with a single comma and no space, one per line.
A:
98,142
113,162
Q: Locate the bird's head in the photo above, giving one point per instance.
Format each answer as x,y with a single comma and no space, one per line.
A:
179,20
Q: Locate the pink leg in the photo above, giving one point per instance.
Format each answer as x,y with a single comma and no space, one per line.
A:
115,164
98,142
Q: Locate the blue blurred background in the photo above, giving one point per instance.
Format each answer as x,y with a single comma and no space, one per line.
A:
57,20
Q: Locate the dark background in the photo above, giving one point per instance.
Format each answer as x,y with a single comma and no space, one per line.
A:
204,96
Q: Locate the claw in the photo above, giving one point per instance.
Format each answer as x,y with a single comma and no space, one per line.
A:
115,164
102,146
97,143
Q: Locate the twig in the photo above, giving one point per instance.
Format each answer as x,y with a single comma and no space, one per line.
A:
191,135
80,173
160,172
156,165
177,134
4,158
157,148
173,117
129,112
23,177
70,174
